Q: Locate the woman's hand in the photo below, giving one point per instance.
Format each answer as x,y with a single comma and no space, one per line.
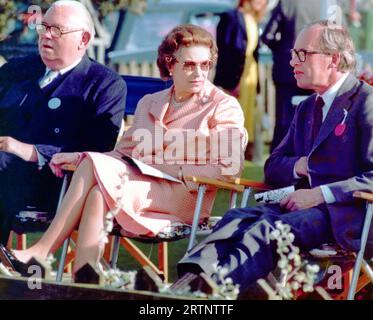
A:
60,159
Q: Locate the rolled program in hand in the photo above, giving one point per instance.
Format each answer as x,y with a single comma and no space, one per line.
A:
274,196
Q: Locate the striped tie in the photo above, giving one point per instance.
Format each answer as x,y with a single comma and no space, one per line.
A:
48,78
317,117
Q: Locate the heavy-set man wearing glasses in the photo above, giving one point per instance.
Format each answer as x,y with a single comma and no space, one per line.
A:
59,100
327,153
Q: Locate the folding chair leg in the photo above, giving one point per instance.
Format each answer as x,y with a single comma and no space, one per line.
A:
65,183
163,259
245,197
360,256
139,256
115,252
9,244
197,213
233,200
61,265
367,269
21,241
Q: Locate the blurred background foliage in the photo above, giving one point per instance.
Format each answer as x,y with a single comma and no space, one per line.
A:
10,9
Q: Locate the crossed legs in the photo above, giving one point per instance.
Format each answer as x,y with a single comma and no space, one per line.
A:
83,205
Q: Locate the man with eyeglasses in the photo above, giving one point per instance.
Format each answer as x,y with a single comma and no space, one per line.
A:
327,152
57,101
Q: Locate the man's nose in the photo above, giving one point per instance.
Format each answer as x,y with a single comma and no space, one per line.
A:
294,61
198,69
47,34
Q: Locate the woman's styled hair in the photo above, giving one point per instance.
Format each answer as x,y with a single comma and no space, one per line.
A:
183,36
336,39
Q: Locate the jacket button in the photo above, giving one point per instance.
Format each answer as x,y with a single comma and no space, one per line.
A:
56,130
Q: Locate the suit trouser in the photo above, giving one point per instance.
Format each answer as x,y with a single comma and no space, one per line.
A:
22,184
240,242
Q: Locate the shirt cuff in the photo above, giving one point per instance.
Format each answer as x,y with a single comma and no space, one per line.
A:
327,194
41,159
295,174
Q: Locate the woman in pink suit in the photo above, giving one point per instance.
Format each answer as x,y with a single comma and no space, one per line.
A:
193,128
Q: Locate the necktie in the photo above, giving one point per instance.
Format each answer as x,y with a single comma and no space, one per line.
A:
317,117
48,78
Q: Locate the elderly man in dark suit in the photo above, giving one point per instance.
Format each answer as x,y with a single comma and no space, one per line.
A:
57,101
328,147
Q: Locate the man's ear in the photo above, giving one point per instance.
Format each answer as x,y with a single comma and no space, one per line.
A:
85,40
336,59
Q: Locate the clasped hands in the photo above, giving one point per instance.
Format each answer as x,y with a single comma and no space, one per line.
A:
302,198
63,158
28,152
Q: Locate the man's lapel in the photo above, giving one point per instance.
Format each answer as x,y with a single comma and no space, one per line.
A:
82,68
336,113
73,79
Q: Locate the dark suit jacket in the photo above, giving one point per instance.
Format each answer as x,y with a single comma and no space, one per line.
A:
344,163
231,38
91,97
90,102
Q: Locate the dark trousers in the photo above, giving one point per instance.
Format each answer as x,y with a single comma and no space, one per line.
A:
241,242
23,184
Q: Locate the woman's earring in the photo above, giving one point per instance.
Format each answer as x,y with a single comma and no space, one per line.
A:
170,74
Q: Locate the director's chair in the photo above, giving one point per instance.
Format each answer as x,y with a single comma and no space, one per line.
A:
361,265
178,232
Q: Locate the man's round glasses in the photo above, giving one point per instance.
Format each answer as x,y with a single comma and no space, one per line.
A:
301,54
191,66
55,31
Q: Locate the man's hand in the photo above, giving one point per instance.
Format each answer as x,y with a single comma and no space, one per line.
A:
62,158
25,151
302,199
301,167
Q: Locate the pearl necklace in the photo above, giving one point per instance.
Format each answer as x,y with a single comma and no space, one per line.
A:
178,105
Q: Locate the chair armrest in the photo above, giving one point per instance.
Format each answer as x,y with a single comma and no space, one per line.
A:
214,182
68,167
363,195
200,180
250,183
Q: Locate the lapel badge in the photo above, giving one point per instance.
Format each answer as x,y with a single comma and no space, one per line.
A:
340,128
54,103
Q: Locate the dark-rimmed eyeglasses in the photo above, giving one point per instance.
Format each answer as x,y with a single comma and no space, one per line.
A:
55,31
301,54
191,66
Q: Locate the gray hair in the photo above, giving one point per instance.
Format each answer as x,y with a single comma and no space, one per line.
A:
336,39
85,15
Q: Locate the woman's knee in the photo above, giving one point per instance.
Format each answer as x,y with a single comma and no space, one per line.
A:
85,164
96,194
84,170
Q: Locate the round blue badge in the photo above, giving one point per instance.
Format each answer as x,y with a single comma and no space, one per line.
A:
54,103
